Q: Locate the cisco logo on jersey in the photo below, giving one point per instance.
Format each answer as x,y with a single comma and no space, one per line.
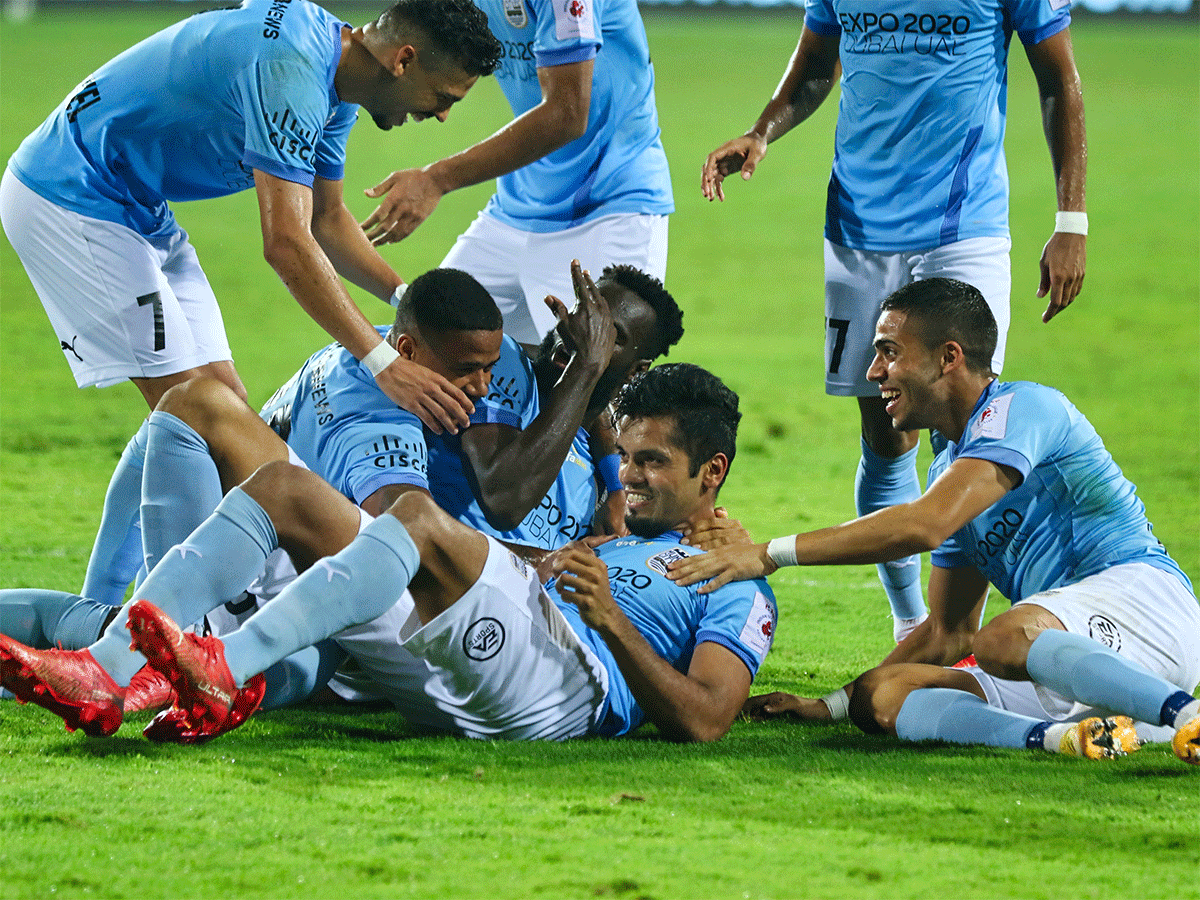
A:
484,639
289,137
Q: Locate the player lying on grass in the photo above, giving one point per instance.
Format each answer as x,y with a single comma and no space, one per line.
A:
525,443
1025,497
609,644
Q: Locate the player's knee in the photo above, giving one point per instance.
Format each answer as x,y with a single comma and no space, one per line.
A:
280,488
199,402
1000,649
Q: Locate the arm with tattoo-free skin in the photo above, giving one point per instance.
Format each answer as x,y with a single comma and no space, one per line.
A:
698,706
411,195
808,80
297,223
1064,258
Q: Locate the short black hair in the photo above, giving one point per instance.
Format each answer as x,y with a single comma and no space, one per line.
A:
942,310
705,410
456,29
668,316
447,300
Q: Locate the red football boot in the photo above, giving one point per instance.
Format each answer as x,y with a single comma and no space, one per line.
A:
207,696
69,683
148,691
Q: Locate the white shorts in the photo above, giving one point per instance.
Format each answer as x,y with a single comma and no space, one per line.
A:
858,281
1143,613
123,306
520,268
502,662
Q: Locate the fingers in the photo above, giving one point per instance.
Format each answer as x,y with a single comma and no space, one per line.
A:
557,307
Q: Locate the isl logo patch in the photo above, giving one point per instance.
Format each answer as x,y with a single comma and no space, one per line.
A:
1105,631
484,639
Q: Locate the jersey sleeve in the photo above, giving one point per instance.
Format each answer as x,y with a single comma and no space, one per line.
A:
364,455
285,108
568,31
1036,20
820,18
512,397
330,161
741,617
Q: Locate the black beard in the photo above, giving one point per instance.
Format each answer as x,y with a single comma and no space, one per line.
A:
646,528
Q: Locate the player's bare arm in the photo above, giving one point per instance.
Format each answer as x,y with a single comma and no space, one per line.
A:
286,213
411,195
514,468
964,490
337,231
806,83
698,706
1064,258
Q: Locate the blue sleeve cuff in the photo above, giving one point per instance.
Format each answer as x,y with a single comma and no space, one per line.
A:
549,58
1029,38
491,416
825,29
367,488
713,637
1001,456
278,169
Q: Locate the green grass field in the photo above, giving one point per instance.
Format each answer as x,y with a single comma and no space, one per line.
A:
320,803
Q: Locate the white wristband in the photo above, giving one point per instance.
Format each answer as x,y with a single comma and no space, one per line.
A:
398,294
1071,222
839,704
782,551
380,358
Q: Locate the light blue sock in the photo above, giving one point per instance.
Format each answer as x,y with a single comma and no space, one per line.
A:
219,560
180,485
944,714
880,483
353,586
1090,673
45,619
295,679
117,551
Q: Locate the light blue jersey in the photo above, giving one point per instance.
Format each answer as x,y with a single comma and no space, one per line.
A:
1073,515
619,165
741,617
344,428
565,512
188,113
919,153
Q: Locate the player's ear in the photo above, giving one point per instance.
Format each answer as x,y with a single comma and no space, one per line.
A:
406,345
953,356
713,472
403,57
640,367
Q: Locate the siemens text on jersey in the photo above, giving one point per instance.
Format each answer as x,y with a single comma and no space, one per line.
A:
274,17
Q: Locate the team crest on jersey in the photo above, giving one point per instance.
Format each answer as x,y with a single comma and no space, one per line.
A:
484,639
993,421
514,12
518,564
1105,631
660,561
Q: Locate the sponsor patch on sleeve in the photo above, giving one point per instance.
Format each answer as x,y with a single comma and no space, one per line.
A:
573,19
993,421
759,630
1059,4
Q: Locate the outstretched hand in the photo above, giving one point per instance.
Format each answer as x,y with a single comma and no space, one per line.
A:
588,329
741,154
1063,264
409,197
736,562
779,705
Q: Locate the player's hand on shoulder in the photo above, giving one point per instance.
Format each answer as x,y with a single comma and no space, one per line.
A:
780,705
409,196
427,395
713,531
736,562
741,154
